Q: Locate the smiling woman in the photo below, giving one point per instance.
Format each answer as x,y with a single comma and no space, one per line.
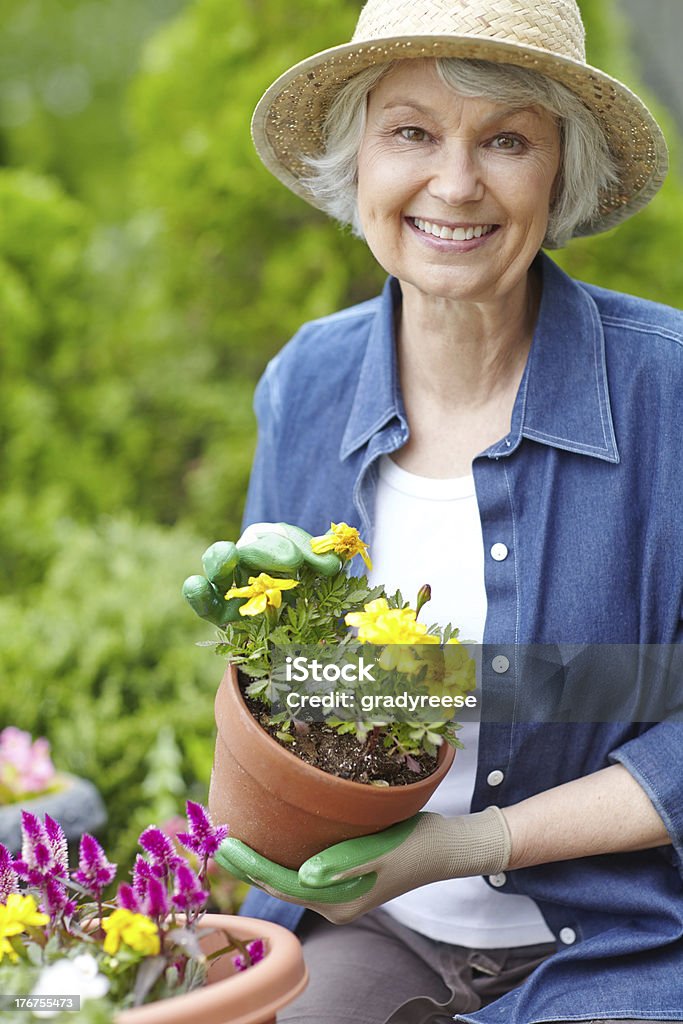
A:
587,167
511,436
463,165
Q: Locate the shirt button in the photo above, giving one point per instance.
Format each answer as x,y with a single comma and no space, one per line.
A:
567,935
495,778
500,664
499,552
501,879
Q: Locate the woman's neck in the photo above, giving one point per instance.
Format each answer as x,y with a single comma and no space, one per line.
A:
466,351
460,366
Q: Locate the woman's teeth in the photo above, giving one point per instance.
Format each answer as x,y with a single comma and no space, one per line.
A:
455,234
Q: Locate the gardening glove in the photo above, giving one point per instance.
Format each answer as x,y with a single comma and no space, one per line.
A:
282,548
350,878
263,547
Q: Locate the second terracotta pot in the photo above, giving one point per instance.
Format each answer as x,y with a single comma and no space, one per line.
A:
250,997
286,809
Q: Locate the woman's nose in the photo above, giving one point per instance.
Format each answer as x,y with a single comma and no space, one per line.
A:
457,176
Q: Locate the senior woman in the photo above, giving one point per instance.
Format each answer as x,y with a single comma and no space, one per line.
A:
519,434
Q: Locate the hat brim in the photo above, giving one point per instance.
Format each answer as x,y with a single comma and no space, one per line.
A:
287,125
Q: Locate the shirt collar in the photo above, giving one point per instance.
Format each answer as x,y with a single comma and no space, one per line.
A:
378,397
563,399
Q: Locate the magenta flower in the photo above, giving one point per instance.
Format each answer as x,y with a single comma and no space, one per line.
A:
44,852
55,900
95,872
142,875
127,900
256,950
163,857
149,892
203,838
188,893
156,902
8,876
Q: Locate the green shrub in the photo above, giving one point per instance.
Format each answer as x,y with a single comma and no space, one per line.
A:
640,256
101,657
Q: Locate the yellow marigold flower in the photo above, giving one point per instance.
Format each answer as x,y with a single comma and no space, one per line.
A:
384,625
264,591
371,611
16,916
344,540
136,930
398,658
6,949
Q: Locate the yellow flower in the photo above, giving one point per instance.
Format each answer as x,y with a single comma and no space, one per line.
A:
264,591
136,930
370,614
379,624
397,658
16,916
344,540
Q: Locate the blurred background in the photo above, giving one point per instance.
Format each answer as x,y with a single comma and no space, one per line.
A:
149,268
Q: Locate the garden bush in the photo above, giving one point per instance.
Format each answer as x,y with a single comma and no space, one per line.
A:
101,657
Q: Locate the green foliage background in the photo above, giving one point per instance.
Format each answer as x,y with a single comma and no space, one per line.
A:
149,267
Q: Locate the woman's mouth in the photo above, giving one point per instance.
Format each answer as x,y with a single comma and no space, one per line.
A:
459,233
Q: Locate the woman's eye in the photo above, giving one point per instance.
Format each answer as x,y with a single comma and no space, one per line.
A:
508,142
412,134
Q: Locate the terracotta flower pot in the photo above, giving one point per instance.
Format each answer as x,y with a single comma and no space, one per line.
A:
230,997
286,809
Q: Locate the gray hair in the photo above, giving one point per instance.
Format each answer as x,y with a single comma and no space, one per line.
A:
586,164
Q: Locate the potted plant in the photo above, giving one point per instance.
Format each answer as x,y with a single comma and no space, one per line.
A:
350,750
151,955
29,780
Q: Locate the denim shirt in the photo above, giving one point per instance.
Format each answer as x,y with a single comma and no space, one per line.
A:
586,494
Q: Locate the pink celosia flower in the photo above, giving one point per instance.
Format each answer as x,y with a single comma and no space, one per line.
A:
44,852
156,902
188,894
8,876
55,899
94,872
142,874
256,950
203,837
127,900
161,851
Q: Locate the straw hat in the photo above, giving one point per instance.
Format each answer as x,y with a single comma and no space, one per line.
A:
544,35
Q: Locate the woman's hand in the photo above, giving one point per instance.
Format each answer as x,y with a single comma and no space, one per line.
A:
355,876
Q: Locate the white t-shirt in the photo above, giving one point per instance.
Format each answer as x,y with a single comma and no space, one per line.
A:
429,531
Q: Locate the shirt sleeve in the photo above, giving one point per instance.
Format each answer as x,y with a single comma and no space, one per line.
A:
655,759
262,505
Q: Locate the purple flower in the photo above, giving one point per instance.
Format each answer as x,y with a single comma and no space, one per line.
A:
156,903
188,894
55,900
44,853
95,872
256,950
203,838
8,876
142,875
149,891
161,851
127,900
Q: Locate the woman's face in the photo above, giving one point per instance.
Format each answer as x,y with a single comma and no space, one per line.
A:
454,193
